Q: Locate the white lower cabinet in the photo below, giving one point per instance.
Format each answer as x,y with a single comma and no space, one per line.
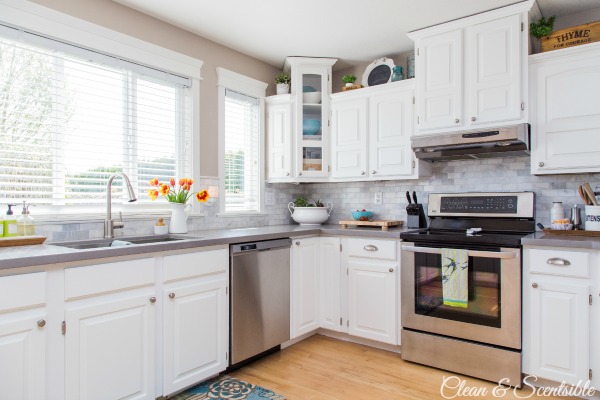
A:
305,285
109,347
195,318
558,308
23,337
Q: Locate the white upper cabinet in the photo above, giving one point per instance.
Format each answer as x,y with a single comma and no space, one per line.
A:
565,113
279,138
371,130
470,72
439,67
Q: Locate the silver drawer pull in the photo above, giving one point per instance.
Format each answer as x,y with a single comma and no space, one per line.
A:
370,247
558,261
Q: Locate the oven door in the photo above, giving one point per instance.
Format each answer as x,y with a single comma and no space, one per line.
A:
493,312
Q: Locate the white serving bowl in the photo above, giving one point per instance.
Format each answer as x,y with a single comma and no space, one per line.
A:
311,97
562,227
310,215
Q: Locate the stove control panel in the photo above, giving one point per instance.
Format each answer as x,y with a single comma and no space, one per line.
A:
479,204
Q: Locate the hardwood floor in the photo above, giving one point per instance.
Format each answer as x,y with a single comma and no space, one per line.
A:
323,368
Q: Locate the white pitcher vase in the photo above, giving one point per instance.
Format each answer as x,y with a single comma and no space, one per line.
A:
179,215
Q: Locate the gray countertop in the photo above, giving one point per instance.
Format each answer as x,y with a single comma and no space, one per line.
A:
579,242
44,254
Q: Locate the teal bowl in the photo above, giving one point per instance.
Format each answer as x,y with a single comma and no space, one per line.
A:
367,214
308,89
311,126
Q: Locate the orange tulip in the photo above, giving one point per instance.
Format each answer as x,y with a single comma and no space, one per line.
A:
172,182
153,193
182,181
202,196
164,189
154,182
190,182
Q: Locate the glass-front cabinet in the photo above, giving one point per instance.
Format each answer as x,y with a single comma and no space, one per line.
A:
310,88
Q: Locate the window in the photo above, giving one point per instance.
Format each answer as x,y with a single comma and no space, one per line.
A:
242,132
70,117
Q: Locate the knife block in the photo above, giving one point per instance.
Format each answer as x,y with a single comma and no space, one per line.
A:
416,216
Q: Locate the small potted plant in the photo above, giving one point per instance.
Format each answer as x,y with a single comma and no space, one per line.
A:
282,83
306,213
349,80
541,28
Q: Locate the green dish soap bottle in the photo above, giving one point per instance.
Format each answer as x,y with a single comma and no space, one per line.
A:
9,225
25,222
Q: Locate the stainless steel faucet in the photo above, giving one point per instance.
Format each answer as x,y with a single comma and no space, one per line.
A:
109,224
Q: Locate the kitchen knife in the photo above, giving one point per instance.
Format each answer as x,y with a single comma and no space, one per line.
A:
408,196
415,197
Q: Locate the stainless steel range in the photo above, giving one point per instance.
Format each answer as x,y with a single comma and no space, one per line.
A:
474,326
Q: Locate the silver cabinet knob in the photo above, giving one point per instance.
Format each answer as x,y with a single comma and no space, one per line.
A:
534,285
362,172
297,243
287,174
299,173
370,247
171,295
541,164
456,121
373,172
41,323
152,299
473,119
391,269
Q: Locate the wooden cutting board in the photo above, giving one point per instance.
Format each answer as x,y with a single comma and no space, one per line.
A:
558,232
21,240
384,224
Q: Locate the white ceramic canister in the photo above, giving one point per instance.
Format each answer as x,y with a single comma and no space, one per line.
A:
557,211
592,218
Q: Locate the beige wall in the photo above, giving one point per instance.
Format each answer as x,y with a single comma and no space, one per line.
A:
337,84
130,22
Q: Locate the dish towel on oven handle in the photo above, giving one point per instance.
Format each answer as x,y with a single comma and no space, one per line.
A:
455,283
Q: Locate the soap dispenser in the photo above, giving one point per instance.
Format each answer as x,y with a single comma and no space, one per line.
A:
25,222
9,225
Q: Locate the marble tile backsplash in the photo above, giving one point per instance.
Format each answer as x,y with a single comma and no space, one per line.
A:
495,175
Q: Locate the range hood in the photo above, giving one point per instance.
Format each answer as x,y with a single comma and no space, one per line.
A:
508,141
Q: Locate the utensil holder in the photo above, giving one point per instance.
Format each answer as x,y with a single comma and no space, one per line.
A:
592,218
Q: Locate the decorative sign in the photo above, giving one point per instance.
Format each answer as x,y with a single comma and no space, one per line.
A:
378,72
570,37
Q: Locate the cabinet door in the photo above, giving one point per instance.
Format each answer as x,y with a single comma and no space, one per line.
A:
349,138
493,62
109,346
559,337
279,141
567,114
305,286
373,300
390,128
195,332
439,69
23,355
329,301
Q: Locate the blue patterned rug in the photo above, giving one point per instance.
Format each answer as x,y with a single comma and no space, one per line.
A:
227,388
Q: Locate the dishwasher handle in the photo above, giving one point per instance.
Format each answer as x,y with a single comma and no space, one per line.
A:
241,248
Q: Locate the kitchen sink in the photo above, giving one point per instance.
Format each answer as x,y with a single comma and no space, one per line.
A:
119,242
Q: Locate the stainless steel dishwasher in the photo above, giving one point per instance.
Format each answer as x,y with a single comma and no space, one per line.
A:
260,297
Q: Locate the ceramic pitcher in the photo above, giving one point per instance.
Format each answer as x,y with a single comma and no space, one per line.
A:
179,215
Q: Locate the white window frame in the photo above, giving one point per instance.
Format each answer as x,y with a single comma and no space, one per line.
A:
227,79
63,27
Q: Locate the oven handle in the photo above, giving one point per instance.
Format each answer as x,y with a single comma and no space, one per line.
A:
471,253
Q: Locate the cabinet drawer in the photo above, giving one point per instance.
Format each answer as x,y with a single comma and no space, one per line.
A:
110,277
181,266
21,291
559,262
373,248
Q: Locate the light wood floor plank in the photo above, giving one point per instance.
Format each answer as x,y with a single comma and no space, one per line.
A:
323,368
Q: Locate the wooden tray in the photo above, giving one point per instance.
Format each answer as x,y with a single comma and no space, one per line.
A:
558,232
383,224
21,240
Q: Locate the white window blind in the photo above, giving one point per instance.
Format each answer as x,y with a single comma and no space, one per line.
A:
70,117
242,143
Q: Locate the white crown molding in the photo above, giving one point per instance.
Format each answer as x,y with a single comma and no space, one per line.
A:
238,82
